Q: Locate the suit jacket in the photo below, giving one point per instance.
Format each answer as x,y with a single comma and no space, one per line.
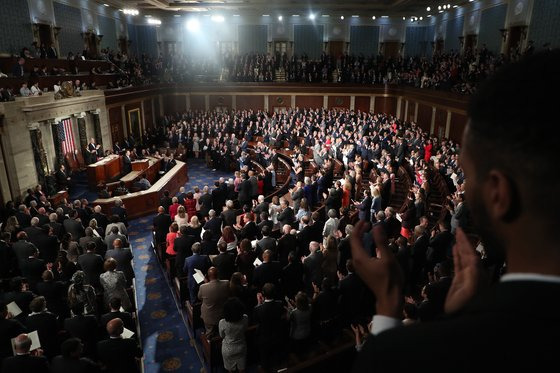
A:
75,228
218,199
121,212
352,294
485,334
46,324
110,239
228,217
127,165
23,219
312,266
286,216
292,278
100,247
249,231
124,262
245,192
213,296
161,226
33,269
182,246
267,272
268,317
214,225
118,355
266,243
365,209
195,261
61,364
92,265
9,328
102,220
205,202
86,328
225,263
25,363
22,250
126,318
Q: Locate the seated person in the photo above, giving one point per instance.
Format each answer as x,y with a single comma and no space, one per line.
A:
143,183
104,191
121,189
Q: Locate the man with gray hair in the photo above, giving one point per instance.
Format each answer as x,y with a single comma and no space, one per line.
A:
214,224
312,267
331,225
25,361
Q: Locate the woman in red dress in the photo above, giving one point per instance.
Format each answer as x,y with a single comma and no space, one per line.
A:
428,150
190,205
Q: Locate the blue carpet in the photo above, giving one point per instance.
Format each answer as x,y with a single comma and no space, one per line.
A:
167,343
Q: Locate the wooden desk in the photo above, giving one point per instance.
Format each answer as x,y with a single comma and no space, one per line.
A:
146,202
104,170
140,165
57,198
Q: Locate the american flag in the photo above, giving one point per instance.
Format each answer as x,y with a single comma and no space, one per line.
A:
66,136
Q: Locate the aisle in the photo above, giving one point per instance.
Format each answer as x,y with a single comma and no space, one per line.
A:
167,345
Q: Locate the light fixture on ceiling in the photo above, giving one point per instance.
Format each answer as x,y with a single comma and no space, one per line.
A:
312,16
105,4
455,6
295,15
236,15
325,15
280,18
342,17
373,17
176,15
218,18
384,16
266,15
421,18
355,16
154,21
403,18
131,12
428,9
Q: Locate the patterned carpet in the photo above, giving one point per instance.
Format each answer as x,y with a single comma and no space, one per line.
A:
167,343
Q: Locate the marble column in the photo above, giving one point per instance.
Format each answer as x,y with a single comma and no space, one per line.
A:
81,118
39,155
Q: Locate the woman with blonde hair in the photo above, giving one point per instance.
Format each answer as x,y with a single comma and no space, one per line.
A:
181,218
194,228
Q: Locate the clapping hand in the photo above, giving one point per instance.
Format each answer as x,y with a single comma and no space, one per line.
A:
467,274
381,274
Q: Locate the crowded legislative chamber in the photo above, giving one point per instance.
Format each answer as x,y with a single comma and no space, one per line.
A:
278,186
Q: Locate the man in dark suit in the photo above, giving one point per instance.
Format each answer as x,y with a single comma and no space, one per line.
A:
228,215
84,327
286,215
261,207
312,265
364,207
352,295
268,272
62,178
58,229
205,202
218,197
182,245
100,247
266,243
115,235
482,318
23,216
127,162
117,353
45,323
100,217
92,264
46,243
244,191
292,276
214,224
120,211
249,230
115,304
224,262
195,261
270,318
161,224
18,71
32,268
74,226
24,361
124,258
182,196
166,200
287,243
70,360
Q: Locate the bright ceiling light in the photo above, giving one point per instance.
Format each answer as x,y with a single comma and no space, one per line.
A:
373,17
217,18
355,16
131,12
403,18
325,15
106,4
312,16
384,16
342,17
280,18
439,7
428,9
176,15
421,18
266,15
193,25
295,15
154,21
455,6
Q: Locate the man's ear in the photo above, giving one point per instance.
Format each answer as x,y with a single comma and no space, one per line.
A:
502,196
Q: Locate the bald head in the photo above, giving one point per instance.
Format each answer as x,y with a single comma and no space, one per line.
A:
161,210
22,344
115,327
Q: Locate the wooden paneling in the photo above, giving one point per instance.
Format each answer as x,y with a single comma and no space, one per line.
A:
362,103
440,122
115,124
180,103
312,102
169,104
275,101
411,109
220,101
387,105
339,102
249,102
197,102
424,117
148,119
458,124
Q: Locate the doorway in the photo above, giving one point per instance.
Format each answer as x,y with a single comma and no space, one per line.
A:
336,48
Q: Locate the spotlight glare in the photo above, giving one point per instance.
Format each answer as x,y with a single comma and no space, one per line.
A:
218,18
193,25
280,18
342,17
373,17
312,16
428,9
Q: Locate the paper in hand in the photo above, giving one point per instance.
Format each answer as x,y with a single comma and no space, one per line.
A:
127,333
35,343
257,262
14,309
198,276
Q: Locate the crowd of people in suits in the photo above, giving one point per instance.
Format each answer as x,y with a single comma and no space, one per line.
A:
256,253
66,273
